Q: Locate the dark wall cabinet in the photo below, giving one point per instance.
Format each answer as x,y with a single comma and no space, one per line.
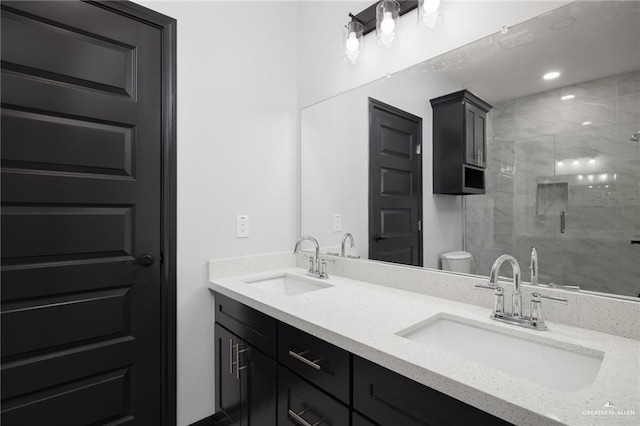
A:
269,373
459,143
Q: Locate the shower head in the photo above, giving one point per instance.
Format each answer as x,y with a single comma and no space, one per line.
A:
636,136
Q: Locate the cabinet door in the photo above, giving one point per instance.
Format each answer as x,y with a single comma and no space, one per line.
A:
474,134
258,375
480,137
228,398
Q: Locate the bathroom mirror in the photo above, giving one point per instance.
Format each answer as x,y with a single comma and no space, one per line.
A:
562,155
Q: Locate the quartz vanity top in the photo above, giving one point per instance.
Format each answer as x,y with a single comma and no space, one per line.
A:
363,318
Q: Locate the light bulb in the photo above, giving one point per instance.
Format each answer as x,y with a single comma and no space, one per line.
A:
352,42
430,20
388,24
431,6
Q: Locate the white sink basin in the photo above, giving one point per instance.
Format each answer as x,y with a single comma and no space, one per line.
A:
566,369
288,285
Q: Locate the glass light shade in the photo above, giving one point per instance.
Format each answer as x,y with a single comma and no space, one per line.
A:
429,13
353,41
387,22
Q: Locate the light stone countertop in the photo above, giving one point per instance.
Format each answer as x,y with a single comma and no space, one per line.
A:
364,318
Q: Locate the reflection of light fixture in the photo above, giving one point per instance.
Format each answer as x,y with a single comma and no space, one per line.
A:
604,176
590,186
387,20
567,97
560,163
576,162
551,75
606,186
586,123
590,177
592,161
580,177
429,13
353,40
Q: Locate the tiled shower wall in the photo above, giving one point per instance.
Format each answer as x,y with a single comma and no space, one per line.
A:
547,155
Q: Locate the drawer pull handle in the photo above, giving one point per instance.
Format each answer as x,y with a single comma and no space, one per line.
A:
302,422
301,358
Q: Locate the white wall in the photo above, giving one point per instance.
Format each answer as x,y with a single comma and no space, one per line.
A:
237,114
323,71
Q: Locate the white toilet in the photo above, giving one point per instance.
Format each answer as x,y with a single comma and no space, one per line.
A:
456,261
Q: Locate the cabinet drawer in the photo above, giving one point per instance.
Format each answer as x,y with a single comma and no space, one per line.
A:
302,404
322,363
252,326
391,399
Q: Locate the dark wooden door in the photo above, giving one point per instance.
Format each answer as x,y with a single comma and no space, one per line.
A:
395,185
228,398
81,194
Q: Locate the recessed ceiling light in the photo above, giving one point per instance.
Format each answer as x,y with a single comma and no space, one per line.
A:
580,177
560,163
590,186
586,123
576,162
590,177
592,161
567,97
551,75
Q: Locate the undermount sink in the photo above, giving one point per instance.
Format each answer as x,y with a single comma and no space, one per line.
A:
288,285
566,369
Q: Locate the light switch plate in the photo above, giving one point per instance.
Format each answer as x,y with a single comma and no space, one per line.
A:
242,226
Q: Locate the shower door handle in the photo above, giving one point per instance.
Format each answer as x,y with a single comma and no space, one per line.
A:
635,242
563,222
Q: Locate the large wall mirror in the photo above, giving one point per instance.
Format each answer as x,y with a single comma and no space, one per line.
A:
562,155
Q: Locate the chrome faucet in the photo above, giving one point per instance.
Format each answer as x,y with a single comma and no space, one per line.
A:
344,240
516,298
315,267
515,317
533,266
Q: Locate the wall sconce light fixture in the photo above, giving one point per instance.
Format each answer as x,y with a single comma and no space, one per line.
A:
387,22
353,34
384,17
429,13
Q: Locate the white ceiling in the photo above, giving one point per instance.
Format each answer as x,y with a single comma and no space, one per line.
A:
584,41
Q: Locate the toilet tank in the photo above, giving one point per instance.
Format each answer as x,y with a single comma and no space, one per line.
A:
457,261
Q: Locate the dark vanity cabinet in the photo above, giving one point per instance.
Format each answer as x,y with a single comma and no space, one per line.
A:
245,366
270,373
459,143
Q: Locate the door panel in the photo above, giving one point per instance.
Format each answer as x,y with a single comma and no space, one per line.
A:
81,152
395,189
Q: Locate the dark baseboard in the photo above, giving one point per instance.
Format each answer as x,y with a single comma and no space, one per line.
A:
218,419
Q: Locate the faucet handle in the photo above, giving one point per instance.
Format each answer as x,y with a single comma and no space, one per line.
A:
536,303
561,287
488,286
498,303
538,296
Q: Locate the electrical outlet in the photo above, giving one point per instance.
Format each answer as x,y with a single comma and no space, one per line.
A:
337,223
242,226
